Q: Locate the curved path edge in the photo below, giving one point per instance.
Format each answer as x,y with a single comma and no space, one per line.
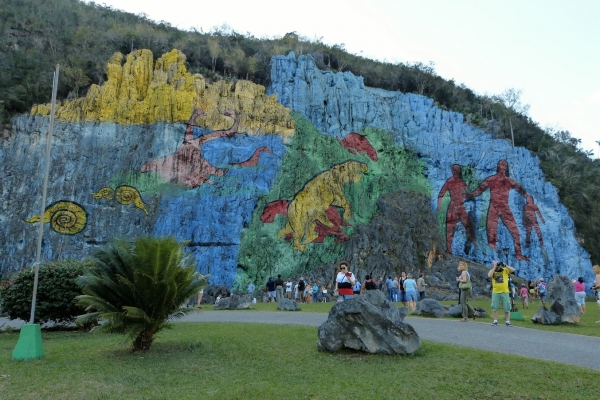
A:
532,343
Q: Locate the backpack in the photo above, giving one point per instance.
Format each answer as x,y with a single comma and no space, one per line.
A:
301,285
542,287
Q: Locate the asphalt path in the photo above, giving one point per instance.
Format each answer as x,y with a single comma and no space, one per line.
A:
533,343
543,345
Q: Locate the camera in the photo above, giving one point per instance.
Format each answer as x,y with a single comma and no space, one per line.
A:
500,266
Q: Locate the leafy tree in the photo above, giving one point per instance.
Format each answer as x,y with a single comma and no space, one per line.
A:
137,287
56,293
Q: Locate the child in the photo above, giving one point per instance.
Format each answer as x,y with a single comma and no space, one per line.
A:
524,296
323,294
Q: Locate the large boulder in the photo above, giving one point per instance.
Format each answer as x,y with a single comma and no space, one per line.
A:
234,302
368,323
288,305
563,306
430,308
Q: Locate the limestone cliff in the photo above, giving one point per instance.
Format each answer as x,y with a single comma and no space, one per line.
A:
501,217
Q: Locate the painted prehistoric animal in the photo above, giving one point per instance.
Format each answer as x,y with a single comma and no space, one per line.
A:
280,207
187,166
311,203
253,161
358,144
65,217
124,195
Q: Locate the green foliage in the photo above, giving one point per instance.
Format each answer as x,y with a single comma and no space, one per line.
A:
56,294
309,154
136,287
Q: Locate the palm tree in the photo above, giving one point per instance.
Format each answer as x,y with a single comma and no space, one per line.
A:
137,287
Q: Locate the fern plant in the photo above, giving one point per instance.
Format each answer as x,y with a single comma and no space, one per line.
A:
137,288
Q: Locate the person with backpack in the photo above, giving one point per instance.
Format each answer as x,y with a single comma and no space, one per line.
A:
541,286
465,285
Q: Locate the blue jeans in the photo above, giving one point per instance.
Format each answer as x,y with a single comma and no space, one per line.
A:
314,295
345,297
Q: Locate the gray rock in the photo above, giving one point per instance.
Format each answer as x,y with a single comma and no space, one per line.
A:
456,311
564,308
288,305
234,302
431,308
368,323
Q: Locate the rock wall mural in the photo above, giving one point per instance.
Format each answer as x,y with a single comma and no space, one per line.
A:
265,182
488,195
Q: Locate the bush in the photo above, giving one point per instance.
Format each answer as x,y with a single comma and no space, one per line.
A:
136,287
55,297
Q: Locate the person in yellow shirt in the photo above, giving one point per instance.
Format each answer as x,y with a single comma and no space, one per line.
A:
500,292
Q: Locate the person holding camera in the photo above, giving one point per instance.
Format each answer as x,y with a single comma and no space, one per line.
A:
344,281
500,293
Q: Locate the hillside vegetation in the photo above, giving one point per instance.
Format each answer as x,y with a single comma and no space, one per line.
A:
82,37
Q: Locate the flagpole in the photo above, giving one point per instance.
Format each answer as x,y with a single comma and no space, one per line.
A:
44,190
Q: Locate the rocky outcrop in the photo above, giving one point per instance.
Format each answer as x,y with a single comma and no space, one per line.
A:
368,323
430,308
339,103
563,306
234,302
288,305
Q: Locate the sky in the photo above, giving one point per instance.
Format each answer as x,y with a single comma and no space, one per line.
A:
549,49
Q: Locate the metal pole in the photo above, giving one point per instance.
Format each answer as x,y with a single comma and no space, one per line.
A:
45,187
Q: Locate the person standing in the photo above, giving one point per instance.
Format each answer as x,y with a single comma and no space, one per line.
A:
401,287
541,289
200,294
288,289
410,292
421,286
251,289
271,290
389,283
369,285
300,291
464,283
579,287
279,287
356,287
315,292
596,286
499,274
344,281
524,296
395,290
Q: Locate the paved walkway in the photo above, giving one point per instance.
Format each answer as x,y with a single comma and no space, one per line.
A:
533,343
552,346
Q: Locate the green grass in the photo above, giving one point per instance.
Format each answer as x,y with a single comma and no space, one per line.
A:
254,361
587,326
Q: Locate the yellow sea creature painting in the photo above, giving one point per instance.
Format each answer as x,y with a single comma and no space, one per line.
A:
124,195
65,217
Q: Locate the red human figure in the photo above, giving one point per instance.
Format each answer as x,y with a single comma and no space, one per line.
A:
530,214
456,209
500,185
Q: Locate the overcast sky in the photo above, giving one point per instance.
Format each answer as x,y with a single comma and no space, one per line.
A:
548,48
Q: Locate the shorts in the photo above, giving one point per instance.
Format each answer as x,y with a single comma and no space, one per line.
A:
411,296
503,298
272,294
345,297
580,298
542,296
532,292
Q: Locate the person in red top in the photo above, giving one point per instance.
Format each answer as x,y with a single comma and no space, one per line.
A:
344,281
579,287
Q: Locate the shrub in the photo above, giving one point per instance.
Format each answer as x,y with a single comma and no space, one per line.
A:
136,287
55,297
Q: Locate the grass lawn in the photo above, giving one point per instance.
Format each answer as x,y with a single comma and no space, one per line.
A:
254,361
587,326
